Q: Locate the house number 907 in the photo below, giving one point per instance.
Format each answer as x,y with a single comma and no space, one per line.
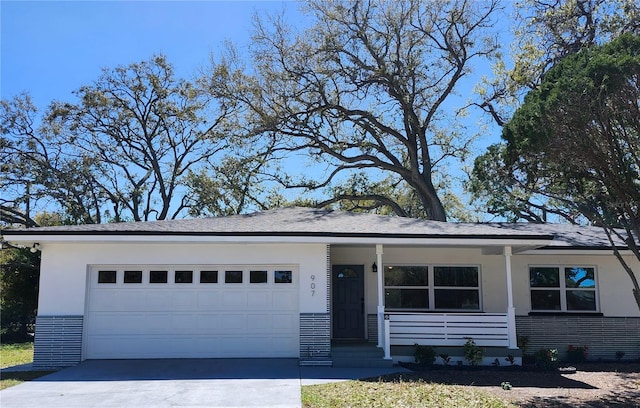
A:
313,285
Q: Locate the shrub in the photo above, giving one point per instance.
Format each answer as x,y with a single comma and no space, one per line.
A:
546,359
577,354
425,354
472,353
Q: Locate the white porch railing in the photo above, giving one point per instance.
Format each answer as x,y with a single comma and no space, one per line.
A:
446,329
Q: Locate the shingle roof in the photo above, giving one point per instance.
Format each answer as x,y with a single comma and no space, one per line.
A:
299,221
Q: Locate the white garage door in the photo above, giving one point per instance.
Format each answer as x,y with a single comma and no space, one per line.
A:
192,311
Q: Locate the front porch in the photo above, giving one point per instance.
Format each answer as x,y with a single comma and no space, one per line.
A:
396,332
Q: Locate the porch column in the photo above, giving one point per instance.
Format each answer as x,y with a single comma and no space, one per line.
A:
511,310
380,295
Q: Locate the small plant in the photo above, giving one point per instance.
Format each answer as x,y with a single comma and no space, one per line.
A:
510,359
522,343
446,359
472,353
619,355
577,354
546,359
496,363
506,385
424,354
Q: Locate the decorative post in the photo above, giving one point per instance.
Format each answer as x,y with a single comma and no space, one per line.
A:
511,310
380,295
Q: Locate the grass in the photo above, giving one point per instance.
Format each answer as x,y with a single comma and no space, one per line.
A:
397,394
17,354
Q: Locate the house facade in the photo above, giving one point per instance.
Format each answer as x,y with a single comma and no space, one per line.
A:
290,282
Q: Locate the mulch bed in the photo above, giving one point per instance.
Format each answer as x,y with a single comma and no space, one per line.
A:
592,384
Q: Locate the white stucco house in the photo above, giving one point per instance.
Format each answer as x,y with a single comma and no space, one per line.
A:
291,282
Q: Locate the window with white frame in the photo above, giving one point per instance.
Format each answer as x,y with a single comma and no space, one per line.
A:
563,288
432,287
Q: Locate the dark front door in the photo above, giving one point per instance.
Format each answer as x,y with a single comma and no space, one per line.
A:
348,301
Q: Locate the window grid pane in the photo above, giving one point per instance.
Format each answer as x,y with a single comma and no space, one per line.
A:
232,276
208,276
282,276
544,277
184,277
545,300
579,277
257,276
406,276
407,298
461,276
107,276
132,276
158,276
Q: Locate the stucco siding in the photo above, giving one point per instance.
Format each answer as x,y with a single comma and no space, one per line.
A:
64,267
613,284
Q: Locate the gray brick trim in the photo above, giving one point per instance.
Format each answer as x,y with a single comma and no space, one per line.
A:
603,335
372,328
58,341
315,336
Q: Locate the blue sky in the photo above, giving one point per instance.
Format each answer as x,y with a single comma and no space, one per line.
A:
50,48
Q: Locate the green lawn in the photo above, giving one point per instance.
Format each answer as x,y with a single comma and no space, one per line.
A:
17,354
396,394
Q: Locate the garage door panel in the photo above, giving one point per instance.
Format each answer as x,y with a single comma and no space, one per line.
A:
234,298
183,300
208,323
190,320
259,299
208,299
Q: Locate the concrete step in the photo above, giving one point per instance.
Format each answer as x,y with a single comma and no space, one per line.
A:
362,363
358,355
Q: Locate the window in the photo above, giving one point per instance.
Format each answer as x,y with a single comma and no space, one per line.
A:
565,289
107,276
158,276
232,276
282,276
257,276
432,287
208,276
456,287
184,277
132,276
406,287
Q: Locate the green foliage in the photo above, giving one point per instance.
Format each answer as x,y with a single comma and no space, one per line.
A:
19,274
523,341
546,359
13,354
619,355
472,353
572,149
425,355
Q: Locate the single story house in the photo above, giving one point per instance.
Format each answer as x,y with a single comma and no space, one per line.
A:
291,282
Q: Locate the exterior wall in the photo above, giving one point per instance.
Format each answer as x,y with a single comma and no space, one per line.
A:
615,328
492,269
604,336
64,270
612,282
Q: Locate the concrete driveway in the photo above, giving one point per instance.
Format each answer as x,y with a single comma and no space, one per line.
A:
177,383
